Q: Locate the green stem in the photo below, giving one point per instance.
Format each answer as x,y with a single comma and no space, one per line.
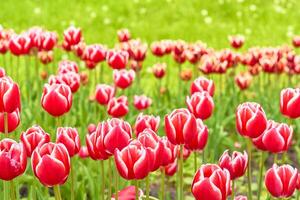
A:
57,192
110,177
195,161
298,195
249,146
261,168
232,193
147,187
72,182
6,124
181,172
12,190
203,156
275,158
102,178
116,183
6,190
136,189
162,185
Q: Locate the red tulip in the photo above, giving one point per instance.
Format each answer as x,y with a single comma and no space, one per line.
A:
66,66
33,138
202,84
159,70
296,41
158,49
46,41
20,44
10,99
128,193
123,78
13,119
51,164
83,152
79,48
142,102
138,51
117,107
12,159
277,138
197,142
179,124
237,41
211,182
236,164
124,35
169,153
281,181
45,57
134,161
201,104
251,120
4,46
104,93
290,102
240,197
171,168
91,128
2,72
56,99
243,80
146,121
69,137
72,36
186,152
71,79
94,53
117,59
298,182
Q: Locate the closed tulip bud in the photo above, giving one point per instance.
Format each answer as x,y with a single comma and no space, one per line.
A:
186,74
237,41
4,46
236,164
186,152
124,35
129,193
33,138
211,182
298,182
84,78
202,84
67,66
281,181
290,102
171,168
159,70
91,128
94,53
83,152
71,79
178,124
51,164
13,120
117,59
104,93
142,102
56,99
45,57
12,159
118,106
241,197
79,48
123,78
2,72
10,99
20,45
243,81
197,142
46,41
138,52
277,137
134,161
72,36
169,153
251,120
201,104
69,137
296,41
158,49
146,121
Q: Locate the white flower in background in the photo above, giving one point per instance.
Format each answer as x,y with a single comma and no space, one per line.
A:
37,11
106,21
252,7
204,12
208,20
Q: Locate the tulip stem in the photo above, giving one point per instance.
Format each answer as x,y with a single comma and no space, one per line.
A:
57,192
232,193
249,146
110,177
162,186
12,190
203,156
6,124
181,173
72,182
261,168
147,187
116,183
195,161
136,190
275,158
102,178
298,195
5,190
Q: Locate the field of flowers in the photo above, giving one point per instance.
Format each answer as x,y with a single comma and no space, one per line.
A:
149,99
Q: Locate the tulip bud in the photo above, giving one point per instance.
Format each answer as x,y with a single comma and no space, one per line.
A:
296,41
56,99
94,53
83,152
146,121
169,153
20,45
51,164
117,59
290,102
66,66
72,36
10,99
203,84
142,102
104,93
33,138
13,119
281,181
236,164
129,193
69,137
201,104
91,128
117,107
243,81
158,49
124,35
123,78
251,120
12,159
159,70
197,142
237,41
171,168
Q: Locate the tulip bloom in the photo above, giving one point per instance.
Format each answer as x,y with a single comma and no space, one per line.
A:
66,66
211,182
237,41
91,128
13,119
94,53
134,161
117,59
243,81
281,181
104,93
203,84
71,79
51,164
57,99
146,121
169,153
296,41
10,99
251,120
124,35
171,168
83,152
123,78
20,44
128,193
69,137
197,142
179,124
298,182
142,102
12,159
33,138
117,107
236,164
201,104
159,70
72,36
290,102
